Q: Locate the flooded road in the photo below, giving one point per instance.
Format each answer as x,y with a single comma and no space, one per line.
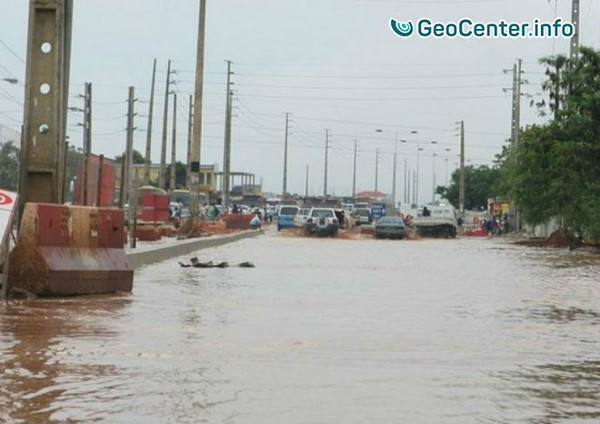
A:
321,331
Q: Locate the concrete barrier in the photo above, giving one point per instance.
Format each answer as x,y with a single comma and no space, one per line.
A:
183,247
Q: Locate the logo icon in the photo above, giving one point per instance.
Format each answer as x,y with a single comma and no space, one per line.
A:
403,29
5,199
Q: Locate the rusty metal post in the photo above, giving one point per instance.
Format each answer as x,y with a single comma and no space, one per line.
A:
46,94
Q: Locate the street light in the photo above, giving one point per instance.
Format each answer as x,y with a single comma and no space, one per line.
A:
433,186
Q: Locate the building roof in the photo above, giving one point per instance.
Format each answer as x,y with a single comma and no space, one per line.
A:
370,194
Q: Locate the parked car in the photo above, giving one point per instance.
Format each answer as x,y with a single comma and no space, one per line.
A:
285,216
301,217
322,221
390,227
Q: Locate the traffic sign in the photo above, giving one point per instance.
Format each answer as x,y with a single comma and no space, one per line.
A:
8,202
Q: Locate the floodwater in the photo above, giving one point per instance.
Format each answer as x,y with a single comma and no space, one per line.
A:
321,331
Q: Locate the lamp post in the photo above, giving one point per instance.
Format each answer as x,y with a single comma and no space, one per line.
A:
377,161
433,179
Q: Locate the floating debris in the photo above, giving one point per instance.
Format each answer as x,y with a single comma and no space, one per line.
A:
195,263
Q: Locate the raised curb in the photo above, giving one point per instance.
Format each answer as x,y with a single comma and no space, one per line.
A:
161,253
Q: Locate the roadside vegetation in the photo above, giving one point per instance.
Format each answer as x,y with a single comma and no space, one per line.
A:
554,171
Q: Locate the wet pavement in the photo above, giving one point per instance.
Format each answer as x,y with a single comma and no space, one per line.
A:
321,331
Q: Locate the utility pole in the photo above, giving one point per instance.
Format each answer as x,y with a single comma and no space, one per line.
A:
188,168
172,182
306,185
376,166
163,146
197,125
433,179
461,180
227,148
130,186
43,148
285,155
148,159
354,172
518,104
394,175
574,50
87,139
326,151
405,191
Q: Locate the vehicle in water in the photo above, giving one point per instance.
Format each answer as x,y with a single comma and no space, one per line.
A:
390,227
322,221
301,217
437,221
363,216
286,215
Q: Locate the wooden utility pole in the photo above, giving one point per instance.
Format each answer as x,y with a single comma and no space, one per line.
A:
163,146
354,171
285,155
194,164
461,180
188,168
227,148
326,152
148,159
172,182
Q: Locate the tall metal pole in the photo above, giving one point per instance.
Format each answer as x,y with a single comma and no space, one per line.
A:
285,155
326,152
163,146
227,148
172,182
354,171
574,49
148,159
461,180
188,169
194,164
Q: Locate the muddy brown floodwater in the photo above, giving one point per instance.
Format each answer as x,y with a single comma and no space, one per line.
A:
321,331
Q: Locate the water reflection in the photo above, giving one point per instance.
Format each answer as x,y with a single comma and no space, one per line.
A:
39,359
557,392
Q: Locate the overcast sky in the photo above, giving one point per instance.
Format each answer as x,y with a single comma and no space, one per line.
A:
332,64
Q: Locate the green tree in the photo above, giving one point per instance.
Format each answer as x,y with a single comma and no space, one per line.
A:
9,165
481,183
180,171
553,172
138,158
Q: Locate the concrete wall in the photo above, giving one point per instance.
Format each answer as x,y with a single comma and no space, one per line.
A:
184,247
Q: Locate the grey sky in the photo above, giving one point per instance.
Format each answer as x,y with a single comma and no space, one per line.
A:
330,63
